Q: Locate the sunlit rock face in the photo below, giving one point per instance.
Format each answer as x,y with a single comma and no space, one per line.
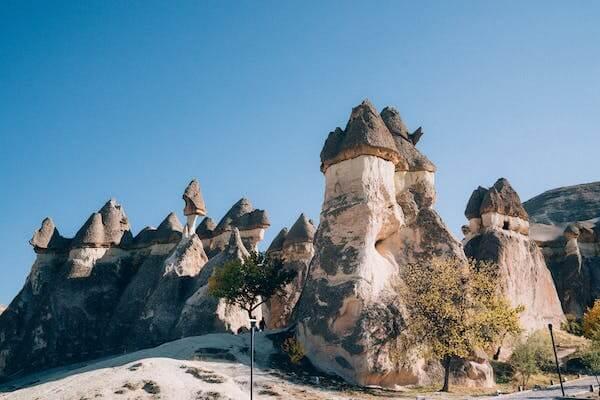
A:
376,216
501,234
105,291
564,223
295,248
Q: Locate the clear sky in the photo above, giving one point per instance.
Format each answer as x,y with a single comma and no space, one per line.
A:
131,99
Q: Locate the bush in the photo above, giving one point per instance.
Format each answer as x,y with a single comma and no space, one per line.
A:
294,350
532,356
591,359
573,325
591,322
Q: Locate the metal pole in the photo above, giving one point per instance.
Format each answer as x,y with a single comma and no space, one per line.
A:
562,389
252,326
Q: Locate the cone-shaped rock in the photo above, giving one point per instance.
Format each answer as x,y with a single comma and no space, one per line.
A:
391,118
474,203
277,243
108,227
503,199
302,231
365,134
232,217
206,228
194,202
48,237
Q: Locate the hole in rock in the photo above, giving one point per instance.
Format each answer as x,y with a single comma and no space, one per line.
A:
506,225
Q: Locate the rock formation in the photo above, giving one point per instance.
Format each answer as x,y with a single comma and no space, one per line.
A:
498,230
296,249
565,224
2,308
105,291
377,215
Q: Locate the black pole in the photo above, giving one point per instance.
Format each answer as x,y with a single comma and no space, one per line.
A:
562,389
252,326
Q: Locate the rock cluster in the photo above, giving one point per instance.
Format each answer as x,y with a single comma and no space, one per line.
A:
376,216
105,291
499,231
295,247
565,224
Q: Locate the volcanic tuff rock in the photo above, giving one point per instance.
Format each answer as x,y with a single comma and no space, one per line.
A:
296,250
105,292
377,216
565,224
499,231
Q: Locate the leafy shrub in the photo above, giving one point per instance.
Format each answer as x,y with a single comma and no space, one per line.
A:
573,325
294,350
532,356
591,322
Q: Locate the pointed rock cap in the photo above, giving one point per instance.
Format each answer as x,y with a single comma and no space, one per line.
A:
301,232
503,199
474,203
277,243
243,216
48,237
108,227
194,203
411,159
205,229
171,223
365,134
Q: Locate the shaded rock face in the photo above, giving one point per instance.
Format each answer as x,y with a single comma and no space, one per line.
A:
296,249
565,224
501,235
105,292
376,216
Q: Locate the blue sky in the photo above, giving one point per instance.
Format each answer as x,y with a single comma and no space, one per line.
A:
131,100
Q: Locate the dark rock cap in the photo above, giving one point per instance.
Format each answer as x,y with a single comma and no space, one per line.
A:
474,203
277,243
194,203
500,198
411,159
243,216
302,231
48,237
107,227
205,228
365,134
171,223
169,231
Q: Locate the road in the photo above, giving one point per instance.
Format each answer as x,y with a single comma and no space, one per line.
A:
571,388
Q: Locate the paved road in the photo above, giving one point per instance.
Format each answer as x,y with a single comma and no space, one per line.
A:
553,392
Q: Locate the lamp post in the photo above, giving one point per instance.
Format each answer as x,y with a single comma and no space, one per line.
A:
252,327
562,389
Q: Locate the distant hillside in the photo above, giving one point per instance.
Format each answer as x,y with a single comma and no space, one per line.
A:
565,204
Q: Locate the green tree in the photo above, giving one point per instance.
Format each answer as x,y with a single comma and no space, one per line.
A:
532,355
454,307
591,322
591,359
250,282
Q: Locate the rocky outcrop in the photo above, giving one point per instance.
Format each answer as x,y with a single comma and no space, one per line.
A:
2,308
295,248
498,231
250,222
105,291
194,206
565,224
377,215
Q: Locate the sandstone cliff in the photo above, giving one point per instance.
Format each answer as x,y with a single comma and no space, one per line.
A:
376,216
498,230
565,224
105,291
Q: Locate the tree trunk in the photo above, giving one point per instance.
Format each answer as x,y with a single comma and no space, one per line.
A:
446,364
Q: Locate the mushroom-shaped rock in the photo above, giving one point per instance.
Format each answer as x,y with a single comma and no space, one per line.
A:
108,227
365,134
194,202
47,237
277,243
503,199
302,231
232,217
206,228
253,220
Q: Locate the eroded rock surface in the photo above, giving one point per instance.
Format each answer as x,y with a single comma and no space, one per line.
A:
105,291
499,231
377,215
565,224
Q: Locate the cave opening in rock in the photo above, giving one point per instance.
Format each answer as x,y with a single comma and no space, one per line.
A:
506,225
